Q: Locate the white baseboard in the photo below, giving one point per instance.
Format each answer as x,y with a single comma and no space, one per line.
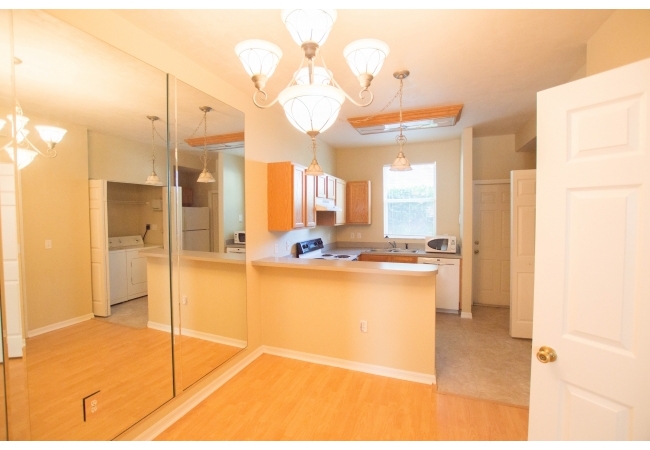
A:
59,325
383,371
465,315
199,335
197,398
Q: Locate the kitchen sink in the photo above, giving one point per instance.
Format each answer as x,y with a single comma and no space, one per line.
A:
391,250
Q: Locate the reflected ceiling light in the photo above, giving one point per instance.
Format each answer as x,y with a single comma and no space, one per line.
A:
21,147
401,163
312,99
153,180
205,176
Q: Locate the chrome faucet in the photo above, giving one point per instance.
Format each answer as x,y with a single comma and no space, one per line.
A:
393,244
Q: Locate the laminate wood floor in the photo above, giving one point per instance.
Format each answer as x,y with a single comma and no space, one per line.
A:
277,398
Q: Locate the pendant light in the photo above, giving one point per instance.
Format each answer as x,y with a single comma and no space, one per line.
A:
205,176
314,168
153,180
401,163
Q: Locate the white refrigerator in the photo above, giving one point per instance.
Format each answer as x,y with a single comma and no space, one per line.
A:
196,229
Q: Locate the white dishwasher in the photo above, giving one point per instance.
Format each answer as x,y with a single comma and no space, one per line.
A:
447,283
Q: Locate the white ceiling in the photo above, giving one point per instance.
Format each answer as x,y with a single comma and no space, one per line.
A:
492,61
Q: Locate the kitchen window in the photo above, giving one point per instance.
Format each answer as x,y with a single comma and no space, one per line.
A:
410,202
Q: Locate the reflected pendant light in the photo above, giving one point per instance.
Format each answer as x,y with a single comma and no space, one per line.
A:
205,176
153,180
314,168
401,163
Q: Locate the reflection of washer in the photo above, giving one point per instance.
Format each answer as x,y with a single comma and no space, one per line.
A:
127,270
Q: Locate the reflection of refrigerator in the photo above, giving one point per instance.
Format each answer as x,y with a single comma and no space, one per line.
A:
196,229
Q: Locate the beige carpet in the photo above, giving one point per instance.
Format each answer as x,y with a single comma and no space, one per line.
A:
133,313
478,358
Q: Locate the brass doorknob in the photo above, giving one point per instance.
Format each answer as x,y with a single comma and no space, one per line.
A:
475,251
546,355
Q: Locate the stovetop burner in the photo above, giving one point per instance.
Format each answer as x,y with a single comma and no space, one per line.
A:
313,249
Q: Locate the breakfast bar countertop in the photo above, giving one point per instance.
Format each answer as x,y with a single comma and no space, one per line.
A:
381,268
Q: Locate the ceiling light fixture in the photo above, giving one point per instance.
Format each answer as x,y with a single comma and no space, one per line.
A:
21,146
205,176
312,99
153,179
401,163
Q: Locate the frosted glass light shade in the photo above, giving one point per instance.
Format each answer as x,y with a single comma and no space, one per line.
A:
311,108
21,121
366,56
309,25
400,163
25,156
314,168
258,57
2,123
321,76
153,180
51,135
206,177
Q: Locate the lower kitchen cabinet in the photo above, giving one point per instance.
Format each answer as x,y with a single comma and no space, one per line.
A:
389,258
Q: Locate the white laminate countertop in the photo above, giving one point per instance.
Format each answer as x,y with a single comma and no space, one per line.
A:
382,268
224,258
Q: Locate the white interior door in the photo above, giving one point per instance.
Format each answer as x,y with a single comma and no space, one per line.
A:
592,259
522,252
491,284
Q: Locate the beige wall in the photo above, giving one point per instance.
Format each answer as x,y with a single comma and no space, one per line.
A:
623,39
115,158
130,210
466,207
55,207
315,312
233,194
367,164
494,157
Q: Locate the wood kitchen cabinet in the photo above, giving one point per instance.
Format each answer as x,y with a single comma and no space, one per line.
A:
290,196
321,186
358,203
389,258
340,201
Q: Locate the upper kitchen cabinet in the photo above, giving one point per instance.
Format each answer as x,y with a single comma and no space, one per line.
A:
291,197
358,203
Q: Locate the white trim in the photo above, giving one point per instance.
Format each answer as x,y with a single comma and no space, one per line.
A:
59,325
466,315
153,431
503,181
383,371
15,346
199,335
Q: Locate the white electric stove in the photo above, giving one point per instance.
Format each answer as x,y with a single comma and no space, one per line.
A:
313,249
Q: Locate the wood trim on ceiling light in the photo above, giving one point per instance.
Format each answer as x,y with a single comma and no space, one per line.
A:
216,139
451,111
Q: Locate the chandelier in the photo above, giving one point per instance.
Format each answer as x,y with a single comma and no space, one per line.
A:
401,163
153,180
25,150
312,99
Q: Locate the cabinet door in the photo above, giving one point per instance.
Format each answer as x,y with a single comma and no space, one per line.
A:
340,202
358,202
321,186
298,197
310,200
331,187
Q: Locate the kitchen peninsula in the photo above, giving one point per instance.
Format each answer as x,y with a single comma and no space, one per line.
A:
317,310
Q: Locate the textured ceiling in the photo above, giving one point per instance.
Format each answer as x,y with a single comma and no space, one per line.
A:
492,61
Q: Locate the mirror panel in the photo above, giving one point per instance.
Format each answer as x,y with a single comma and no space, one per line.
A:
210,289
82,340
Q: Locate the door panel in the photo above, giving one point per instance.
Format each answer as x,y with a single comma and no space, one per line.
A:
592,259
492,232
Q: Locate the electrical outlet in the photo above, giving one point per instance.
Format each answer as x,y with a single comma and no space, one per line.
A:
352,235
147,227
91,406
48,244
363,326
185,299
358,235
276,248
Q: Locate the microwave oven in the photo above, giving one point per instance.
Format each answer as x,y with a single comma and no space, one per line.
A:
440,244
240,237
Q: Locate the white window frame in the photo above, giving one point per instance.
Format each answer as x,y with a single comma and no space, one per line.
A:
387,201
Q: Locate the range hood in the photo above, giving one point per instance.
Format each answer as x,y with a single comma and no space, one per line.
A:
325,204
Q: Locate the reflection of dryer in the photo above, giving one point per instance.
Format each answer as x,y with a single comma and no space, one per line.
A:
127,269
